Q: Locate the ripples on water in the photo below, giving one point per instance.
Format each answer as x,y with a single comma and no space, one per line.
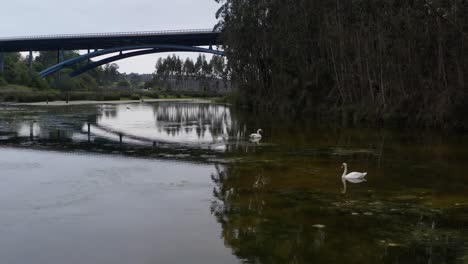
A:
275,201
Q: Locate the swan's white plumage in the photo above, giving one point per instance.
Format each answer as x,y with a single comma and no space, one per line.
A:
355,175
256,135
352,175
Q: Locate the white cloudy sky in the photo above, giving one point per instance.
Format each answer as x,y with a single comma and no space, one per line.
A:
37,17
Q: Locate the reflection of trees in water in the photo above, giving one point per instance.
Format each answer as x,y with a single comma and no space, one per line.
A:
248,219
109,112
262,223
176,118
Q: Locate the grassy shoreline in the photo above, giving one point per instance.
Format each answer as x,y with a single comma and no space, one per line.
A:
122,101
15,94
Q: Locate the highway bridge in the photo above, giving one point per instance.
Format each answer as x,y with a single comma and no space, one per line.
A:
125,44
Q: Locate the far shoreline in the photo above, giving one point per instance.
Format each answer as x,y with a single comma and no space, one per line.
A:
90,102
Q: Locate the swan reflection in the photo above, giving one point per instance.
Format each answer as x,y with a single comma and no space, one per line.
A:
352,181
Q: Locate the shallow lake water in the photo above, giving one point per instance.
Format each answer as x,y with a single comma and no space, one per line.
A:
181,183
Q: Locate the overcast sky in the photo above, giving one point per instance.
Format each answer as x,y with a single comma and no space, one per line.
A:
37,17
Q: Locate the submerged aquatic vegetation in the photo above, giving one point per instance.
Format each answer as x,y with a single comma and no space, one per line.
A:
280,200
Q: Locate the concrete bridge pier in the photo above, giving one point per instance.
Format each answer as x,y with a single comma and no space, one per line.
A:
59,60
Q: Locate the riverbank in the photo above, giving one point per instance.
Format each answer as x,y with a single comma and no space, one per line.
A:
26,95
91,102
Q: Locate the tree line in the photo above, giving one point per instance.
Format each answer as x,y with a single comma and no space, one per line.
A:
16,71
174,67
202,75
374,60
171,68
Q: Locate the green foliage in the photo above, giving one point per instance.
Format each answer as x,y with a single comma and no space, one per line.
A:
124,84
173,67
17,93
17,72
383,56
38,82
2,81
135,97
174,74
67,84
20,84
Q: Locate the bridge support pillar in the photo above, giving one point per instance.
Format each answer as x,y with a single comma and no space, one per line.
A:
30,60
2,62
59,60
59,56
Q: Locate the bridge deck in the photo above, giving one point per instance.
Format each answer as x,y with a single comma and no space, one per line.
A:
200,37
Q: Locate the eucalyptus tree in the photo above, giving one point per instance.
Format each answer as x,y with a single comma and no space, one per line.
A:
374,59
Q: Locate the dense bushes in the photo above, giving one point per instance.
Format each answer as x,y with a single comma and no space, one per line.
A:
23,94
18,83
17,72
378,59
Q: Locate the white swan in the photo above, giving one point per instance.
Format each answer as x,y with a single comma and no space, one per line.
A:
354,177
255,140
256,135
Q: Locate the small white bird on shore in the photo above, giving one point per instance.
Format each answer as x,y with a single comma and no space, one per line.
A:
256,135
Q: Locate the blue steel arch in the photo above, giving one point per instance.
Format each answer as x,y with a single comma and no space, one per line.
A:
96,64
146,49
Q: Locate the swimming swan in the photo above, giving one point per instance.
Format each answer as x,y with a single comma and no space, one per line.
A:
354,177
256,135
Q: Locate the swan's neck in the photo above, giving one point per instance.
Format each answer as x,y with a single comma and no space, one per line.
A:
258,131
345,171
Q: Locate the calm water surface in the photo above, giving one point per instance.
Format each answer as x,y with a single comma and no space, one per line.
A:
181,183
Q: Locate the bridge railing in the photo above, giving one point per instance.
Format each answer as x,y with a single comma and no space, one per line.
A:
109,34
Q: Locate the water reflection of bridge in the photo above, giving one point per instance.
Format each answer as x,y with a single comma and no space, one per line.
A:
141,124
168,122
